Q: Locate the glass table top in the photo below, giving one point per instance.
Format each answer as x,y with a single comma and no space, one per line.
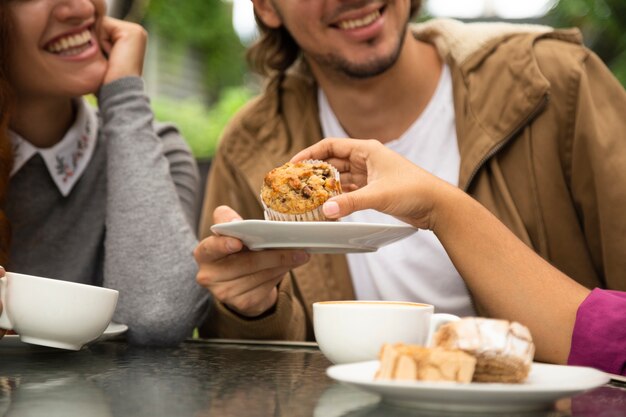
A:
207,378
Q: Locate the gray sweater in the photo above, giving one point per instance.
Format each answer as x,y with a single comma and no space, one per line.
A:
127,223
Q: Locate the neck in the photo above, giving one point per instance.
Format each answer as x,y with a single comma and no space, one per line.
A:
385,106
43,123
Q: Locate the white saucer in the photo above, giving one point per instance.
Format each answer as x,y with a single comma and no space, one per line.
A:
112,330
315,237
545,385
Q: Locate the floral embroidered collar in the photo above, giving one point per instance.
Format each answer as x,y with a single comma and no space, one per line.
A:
67,160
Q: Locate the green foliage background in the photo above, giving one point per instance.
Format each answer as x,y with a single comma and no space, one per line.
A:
200,124
603,24
205,26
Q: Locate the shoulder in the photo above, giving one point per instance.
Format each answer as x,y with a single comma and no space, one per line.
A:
555,59
559,60
285,112
573,71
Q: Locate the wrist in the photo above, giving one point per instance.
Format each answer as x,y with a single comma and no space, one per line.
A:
242,316
448,202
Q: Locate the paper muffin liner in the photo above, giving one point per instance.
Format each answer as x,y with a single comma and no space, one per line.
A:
309,216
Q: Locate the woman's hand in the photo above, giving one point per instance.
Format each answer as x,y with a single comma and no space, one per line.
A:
379,179
125,44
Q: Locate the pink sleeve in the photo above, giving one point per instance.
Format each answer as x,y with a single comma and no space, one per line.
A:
599,338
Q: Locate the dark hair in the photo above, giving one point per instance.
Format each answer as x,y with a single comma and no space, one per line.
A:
276,50
6,153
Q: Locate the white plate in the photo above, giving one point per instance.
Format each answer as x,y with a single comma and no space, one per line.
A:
545,385
112,330
317,237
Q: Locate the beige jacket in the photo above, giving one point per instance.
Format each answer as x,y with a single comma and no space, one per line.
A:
542,136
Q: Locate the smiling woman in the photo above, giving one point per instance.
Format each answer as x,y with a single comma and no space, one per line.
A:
97,196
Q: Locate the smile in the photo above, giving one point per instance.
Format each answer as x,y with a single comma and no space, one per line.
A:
72,44
359,23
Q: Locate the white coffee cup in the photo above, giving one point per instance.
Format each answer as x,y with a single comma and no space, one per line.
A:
354,331
55,313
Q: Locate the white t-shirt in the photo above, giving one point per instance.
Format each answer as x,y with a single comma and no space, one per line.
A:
416,268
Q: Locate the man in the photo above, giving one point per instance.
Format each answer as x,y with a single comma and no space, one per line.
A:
523,118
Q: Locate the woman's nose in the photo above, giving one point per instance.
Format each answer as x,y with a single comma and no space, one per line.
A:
74,10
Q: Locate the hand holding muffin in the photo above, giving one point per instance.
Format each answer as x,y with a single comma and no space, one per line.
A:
377,177
507,278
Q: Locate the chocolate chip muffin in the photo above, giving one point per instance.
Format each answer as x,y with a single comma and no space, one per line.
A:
296,191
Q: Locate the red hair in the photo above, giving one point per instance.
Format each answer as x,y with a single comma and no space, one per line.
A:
6,153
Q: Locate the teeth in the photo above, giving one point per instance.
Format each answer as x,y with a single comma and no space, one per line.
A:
357,23
78,41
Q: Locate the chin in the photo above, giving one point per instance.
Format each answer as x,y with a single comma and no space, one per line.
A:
89,82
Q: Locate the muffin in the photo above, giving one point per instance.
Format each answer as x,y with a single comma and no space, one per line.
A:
296,191
503,350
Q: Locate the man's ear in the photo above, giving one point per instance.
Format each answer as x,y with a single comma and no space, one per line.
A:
267,13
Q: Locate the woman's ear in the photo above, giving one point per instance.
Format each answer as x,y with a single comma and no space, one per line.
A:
267,13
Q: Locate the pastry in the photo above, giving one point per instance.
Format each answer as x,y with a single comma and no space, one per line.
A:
296,191
503,350
417,363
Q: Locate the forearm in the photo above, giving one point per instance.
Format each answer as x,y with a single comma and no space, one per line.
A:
149,241
506,277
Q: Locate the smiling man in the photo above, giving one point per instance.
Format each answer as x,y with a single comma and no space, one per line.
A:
523,118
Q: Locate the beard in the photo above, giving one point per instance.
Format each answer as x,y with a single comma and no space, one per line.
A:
361,70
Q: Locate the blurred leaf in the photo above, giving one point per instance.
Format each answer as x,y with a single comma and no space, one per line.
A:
200,125
207,27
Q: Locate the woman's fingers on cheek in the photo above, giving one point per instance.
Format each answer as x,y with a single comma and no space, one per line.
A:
106,42
106,46
106,29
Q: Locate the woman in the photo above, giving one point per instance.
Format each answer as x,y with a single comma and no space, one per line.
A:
103,196
569,323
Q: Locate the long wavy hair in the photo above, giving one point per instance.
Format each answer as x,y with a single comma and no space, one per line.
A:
275,49
6,153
